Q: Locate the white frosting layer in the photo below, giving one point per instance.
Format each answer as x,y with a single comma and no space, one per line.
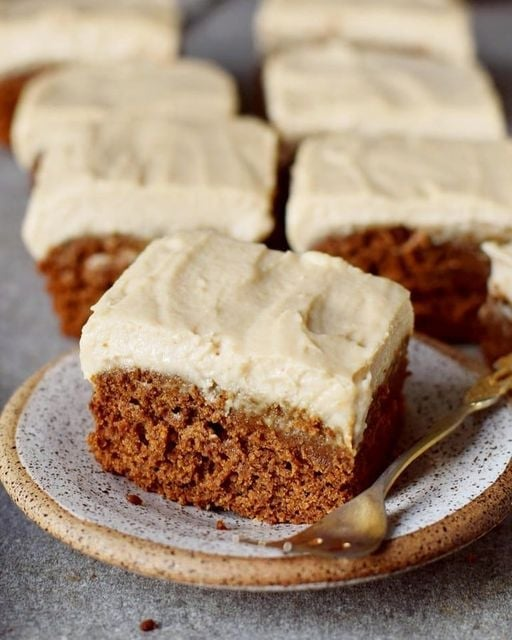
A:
500,280
332,87
304,331
344,183
151,177
59,106
36,33
438,27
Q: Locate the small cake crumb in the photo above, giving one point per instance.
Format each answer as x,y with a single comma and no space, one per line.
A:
221,526
133,498
148,625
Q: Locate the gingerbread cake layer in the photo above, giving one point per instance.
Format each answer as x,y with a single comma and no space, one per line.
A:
435,28
278,465
78,273
447,280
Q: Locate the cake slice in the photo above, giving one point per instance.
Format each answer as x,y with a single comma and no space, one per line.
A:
97,202
414,210
496,313
228,375
59,106
36,35
435,27
332,87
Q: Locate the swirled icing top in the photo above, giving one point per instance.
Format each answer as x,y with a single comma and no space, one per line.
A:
304,331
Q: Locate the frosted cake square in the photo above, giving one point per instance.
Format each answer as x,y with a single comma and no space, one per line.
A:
439,28
229,375
96,203
35,35
412,209
332,87
60,106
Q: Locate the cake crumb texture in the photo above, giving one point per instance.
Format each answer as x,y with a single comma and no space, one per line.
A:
78,273
164,435
148,625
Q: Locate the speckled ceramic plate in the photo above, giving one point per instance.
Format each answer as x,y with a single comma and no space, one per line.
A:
451,496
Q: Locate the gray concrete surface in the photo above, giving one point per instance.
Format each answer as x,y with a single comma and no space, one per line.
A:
49,591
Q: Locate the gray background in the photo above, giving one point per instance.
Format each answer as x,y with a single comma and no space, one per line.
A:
50,591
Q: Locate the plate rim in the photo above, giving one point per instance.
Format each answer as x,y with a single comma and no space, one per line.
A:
158,560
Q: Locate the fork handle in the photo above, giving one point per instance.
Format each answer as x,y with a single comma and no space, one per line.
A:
443,428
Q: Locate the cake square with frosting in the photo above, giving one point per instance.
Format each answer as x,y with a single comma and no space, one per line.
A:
343,183
59,106
36,35
98,201
276,376
436,27
331,87
412,209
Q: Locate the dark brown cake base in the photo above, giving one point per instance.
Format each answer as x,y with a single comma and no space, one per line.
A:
447,281
165,436
79,272
496,319
10,90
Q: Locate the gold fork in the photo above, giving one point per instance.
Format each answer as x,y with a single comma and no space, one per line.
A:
358,527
